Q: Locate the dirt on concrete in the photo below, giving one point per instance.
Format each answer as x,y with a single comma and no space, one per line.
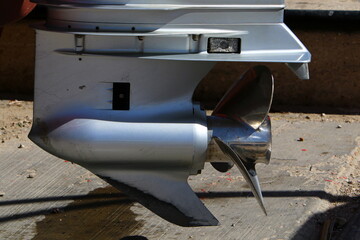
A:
15,120
335,5
104,208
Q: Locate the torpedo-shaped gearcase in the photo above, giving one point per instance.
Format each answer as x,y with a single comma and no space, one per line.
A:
147,152
114,92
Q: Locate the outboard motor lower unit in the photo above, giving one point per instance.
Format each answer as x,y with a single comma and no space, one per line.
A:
114,86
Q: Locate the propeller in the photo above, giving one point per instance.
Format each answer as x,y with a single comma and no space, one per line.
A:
241,127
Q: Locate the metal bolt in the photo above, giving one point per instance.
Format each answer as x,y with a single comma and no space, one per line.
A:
195,37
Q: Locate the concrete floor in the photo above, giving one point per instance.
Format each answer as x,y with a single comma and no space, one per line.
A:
335,5
306,184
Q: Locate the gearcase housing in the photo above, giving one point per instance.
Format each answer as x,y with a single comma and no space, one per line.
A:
114,86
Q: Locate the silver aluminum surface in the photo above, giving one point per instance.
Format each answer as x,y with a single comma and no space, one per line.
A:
159,49
249,99
166,29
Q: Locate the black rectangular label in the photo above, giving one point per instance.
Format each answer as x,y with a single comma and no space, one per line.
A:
121,96
224,45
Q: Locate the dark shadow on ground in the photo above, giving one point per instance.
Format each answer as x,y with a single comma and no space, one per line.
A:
102,214
134,238
344,220
63,198
14,96
280,194
98,199
106,214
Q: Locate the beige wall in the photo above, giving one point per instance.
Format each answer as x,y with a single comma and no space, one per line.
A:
334,71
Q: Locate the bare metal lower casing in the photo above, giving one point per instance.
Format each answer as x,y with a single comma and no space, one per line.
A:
114,86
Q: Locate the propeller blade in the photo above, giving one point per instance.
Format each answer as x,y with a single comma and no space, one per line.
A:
241,127
245,147
248,171
249,98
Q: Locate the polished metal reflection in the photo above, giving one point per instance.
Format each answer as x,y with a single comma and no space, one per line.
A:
257,147
241,126
249,98
253,145
247,170
245,147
